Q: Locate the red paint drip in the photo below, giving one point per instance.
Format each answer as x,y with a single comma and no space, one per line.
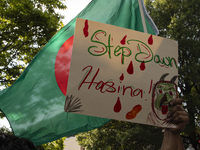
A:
85,29
142,66
150,40
117,107
121,77
123,41
130,69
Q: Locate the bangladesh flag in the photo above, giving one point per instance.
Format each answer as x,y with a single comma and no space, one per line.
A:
34,104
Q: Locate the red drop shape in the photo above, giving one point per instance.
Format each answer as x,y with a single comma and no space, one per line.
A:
117,107
85,29
123,41
142,66
121,77
130,68
150,40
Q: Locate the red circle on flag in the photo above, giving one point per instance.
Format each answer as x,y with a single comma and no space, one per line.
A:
62,64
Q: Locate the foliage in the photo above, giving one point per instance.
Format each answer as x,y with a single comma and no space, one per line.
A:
1,115
55,145
120,135
25,27
5,130
178,20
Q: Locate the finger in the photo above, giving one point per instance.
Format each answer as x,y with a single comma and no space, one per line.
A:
177,101
175,109
179,116
180,119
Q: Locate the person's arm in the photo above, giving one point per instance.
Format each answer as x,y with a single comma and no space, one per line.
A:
172,141
178,116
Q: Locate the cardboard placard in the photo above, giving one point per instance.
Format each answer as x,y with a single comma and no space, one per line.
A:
121,74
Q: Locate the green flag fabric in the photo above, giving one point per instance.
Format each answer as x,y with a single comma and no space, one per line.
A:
34,104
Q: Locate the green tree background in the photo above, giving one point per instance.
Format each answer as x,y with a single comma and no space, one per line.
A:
178,20
25,27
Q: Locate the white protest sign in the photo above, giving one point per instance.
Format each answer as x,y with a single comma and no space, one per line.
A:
121,74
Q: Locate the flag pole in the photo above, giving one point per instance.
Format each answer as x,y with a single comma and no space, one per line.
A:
142,16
